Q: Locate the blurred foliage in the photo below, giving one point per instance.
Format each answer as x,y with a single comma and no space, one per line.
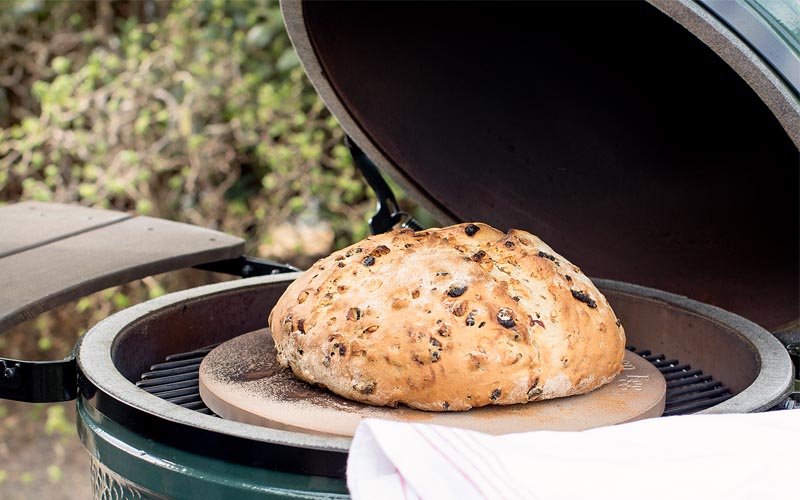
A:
203,116
37,450
189,110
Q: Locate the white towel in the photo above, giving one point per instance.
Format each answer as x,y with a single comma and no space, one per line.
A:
746,456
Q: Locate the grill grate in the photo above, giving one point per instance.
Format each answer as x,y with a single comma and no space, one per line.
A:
688,390
177,379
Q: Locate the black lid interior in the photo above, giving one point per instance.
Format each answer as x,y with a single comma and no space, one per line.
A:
606,129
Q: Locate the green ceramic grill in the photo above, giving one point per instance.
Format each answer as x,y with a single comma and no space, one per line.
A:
655,143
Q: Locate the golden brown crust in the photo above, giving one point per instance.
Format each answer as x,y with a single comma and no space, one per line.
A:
448,319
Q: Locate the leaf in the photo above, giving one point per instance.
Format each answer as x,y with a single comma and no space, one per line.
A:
288,61
45,344
54,473
144,207
22,8
61,64
258,37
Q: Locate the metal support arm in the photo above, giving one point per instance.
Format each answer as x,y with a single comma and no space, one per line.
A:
388,213
247,267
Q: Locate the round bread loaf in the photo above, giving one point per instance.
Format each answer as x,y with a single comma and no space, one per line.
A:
448,319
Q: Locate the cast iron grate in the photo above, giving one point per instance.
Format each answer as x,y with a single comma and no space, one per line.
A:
177,379
688,390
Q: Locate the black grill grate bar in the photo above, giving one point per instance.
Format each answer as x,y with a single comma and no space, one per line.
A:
154,387
667,362
167,380
694,388
696,406
643,353
672,369
197,406
193,368
197,353
694,380
176,364
168,395
679,375
654,357
701,395
190,398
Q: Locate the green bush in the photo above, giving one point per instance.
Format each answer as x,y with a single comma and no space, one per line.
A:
202,116
190,110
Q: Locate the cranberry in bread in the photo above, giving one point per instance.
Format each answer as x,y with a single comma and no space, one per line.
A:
448,319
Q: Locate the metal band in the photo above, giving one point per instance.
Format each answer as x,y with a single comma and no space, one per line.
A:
38,381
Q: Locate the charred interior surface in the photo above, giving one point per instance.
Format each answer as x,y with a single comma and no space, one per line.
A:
192,325
605,128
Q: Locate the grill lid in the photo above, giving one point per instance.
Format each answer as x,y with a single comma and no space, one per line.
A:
613,132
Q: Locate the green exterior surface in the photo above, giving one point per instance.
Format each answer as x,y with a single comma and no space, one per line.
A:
126,465
783,16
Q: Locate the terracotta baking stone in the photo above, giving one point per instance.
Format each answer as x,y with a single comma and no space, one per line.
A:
241,380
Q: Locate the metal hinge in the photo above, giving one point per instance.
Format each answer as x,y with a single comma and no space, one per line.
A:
388,213
39,381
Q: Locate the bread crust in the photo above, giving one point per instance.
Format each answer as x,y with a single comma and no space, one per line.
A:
448,319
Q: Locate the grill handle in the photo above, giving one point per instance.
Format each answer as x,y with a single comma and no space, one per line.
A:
39,381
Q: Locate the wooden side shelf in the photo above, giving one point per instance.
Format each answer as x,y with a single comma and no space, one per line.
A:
52,253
